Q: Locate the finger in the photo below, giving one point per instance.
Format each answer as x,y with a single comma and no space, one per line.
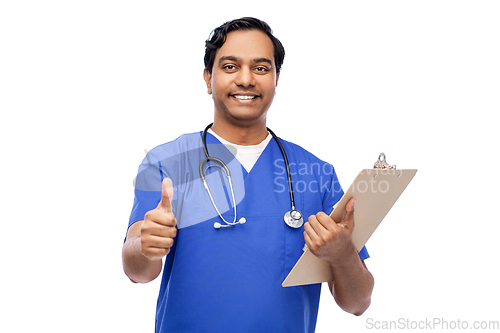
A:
167,230
315,235
315,226
158,242
167,192
326,221
156,253
158,218
308,241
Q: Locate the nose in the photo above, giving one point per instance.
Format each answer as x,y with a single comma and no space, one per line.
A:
245,78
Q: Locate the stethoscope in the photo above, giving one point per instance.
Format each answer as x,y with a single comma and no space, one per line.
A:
293,218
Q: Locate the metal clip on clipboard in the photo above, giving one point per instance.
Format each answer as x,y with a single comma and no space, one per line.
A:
381,163
376,191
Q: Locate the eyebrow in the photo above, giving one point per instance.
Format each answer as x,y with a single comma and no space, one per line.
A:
233,58
228,58
263,60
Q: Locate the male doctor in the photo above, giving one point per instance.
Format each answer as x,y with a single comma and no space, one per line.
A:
229,279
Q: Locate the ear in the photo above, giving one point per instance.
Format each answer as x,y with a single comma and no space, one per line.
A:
277,78
208,80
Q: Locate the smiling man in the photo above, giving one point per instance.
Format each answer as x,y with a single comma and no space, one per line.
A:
243,83
228,278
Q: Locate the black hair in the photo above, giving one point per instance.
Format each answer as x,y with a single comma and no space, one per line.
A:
218,37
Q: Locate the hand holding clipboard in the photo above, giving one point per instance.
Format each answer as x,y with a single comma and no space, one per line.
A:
376,191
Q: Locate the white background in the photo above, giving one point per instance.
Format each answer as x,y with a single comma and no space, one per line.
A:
86,86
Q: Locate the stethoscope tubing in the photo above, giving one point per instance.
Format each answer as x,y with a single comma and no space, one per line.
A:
289,218
278,141
287,166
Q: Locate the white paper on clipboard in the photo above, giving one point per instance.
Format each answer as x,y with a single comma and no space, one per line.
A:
376,191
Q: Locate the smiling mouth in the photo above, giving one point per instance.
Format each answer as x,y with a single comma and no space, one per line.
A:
244,97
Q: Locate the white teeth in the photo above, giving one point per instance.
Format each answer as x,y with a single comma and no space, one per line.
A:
244,97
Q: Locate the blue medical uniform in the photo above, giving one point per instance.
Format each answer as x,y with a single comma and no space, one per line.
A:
229,279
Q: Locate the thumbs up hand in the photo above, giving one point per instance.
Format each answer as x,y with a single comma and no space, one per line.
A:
158,229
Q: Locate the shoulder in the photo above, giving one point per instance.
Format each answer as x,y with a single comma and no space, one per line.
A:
168,160
184,141
317,178
301,154
180,145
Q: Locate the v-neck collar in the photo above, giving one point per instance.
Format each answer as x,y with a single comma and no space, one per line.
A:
213,139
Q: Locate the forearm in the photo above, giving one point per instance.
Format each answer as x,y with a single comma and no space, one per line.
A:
352,284
137,267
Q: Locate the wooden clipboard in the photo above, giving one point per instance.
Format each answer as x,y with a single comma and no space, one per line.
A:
376,191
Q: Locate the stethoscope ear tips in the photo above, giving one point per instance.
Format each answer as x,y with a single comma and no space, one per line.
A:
242,220
217,225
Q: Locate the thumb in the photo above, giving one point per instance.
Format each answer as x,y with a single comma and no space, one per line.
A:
167,193
349,214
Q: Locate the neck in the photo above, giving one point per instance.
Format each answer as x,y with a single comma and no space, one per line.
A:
241,135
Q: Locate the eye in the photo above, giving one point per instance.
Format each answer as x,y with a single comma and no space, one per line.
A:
261,69
229,67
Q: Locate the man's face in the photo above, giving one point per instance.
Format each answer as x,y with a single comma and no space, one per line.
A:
243,80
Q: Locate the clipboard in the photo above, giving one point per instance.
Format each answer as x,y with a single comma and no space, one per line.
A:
376,191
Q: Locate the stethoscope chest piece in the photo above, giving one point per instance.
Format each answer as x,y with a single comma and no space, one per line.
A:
294,219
